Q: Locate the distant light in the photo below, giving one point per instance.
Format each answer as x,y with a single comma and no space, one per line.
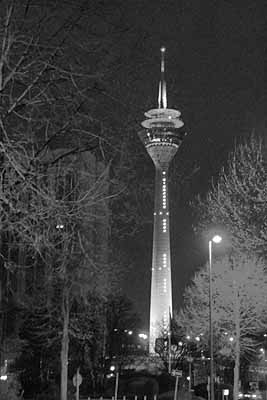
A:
262,350
188,378
110,376
180,343
112,368
225,333
265,335
115,330
188,337
143,336
130,332
231,338
3,377
59,226
197,338
125,330
216,239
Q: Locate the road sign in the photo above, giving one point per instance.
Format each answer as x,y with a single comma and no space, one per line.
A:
177,372
77,379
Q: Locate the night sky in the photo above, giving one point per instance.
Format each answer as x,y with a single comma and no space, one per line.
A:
216,56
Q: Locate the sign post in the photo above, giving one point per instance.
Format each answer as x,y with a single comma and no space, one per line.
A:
77,380
176,388
116,386
225,394
177,373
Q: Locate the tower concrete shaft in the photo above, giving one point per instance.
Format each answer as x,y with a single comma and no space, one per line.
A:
162,137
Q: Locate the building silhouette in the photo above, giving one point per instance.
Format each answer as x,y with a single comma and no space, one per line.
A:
162,136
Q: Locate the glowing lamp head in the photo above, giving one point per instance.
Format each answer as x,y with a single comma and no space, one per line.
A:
217,239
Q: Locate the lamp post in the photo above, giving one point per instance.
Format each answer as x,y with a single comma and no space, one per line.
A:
216,239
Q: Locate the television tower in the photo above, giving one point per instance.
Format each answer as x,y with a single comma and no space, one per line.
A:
162,137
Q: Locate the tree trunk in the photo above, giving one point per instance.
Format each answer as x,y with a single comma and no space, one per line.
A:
237,341
64,346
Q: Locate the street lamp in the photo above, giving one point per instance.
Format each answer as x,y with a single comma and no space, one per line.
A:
216,239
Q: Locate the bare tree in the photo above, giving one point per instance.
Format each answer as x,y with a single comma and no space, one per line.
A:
239,298
53,188
238,201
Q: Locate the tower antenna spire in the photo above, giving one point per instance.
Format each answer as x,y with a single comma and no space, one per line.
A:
162,98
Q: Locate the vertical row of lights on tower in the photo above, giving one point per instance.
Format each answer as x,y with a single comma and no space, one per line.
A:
164,260
164,203
164,285
165,321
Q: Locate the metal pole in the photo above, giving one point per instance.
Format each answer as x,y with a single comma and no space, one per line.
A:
190,374
169,342
77,384
116,385
176,388
210,323
169,354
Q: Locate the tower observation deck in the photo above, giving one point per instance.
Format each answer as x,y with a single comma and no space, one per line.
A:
162,136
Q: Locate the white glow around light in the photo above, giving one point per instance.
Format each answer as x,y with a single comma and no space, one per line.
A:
217,239
143,336
59,226
3,377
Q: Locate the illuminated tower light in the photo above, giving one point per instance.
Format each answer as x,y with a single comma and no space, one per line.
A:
162,136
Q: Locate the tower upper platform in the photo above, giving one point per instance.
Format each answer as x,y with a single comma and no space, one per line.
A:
162,133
